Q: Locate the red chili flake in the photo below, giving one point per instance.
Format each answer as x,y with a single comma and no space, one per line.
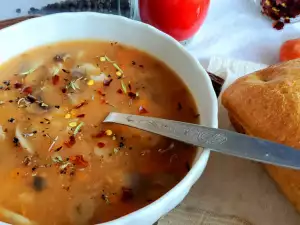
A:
142,110
64,90
81,116
18,85
132,95
119,91
55,79
102,101
100,144
127,194
101,93
107,82
81,104
79,161
27,90
70,142
99,135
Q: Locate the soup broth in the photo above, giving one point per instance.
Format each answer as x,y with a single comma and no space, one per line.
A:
58,163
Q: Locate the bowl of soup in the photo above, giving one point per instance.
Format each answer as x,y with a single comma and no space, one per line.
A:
60,77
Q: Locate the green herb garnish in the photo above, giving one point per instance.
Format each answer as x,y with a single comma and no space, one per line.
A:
73,85
57,159
117,67
116,150
77,129
108,59
123,87
55,71
28,72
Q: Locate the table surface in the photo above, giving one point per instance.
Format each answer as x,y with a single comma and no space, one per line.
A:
235,29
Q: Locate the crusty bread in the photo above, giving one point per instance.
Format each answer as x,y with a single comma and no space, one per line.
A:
266,104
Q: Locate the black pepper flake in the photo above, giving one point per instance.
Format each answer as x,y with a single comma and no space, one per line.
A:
64,90
107,82
133,63
132,95
57,106
141,66
18,10
6,82
34,132
16,141
130,148
58,149
33,168
11,120
179,106
31,98
121,144
39,183
65,71
11,101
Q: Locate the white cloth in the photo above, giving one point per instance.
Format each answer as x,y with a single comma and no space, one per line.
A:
234,29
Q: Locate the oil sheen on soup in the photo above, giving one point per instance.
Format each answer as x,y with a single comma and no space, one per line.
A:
59,164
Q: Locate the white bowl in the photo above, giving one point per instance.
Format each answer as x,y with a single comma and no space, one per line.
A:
73,26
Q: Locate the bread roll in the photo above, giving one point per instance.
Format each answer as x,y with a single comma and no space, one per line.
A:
266,104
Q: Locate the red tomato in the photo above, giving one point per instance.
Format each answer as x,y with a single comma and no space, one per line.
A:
179,18
290,50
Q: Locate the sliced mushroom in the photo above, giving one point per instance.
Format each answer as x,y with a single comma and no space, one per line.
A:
24,142
86,69
15,218
99,78
81,210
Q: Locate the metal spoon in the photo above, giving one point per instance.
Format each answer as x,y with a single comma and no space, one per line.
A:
217,140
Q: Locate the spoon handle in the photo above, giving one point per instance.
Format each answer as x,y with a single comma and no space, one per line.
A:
218,140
